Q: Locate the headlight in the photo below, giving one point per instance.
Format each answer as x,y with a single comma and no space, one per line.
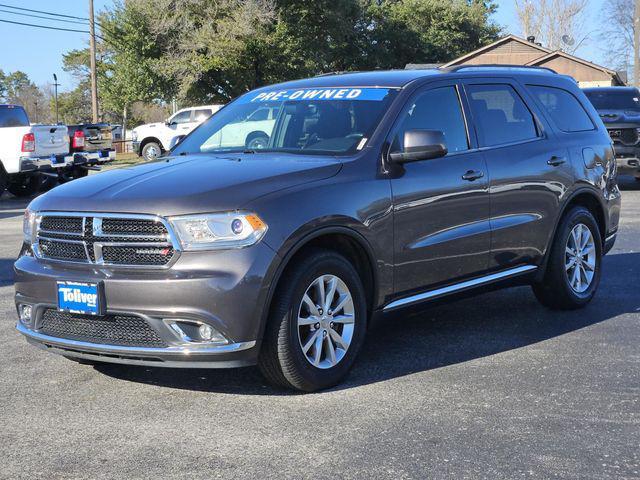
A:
217,231
28,225
134,135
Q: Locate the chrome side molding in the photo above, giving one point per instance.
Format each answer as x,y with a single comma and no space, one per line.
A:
458,287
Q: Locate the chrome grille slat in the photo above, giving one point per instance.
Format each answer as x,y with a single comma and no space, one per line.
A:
135,241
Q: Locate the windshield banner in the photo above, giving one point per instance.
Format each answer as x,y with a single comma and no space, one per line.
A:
306,94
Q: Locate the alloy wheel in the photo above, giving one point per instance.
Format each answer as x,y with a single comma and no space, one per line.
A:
326,321
580,258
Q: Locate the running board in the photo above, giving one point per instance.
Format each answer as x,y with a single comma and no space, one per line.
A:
458,287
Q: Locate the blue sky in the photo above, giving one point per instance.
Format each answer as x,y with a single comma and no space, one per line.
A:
38,52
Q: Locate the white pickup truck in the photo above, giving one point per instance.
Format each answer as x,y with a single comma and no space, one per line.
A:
152,139
26,150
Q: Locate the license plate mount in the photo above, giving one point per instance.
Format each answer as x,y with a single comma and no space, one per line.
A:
80,297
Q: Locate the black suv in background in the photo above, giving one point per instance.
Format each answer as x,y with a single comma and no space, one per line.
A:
373,192
619,108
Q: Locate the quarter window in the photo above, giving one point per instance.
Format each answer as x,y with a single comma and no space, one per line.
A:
437,109
564,109
500,115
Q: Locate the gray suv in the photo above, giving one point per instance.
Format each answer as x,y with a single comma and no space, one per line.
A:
372,192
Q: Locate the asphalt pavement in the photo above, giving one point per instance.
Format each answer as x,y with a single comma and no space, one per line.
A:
491,387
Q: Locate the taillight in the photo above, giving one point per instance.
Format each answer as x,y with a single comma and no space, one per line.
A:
28,142
78,139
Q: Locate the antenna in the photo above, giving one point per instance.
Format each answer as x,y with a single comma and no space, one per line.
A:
568,40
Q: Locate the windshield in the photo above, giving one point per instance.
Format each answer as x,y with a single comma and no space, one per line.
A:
330,121
608,100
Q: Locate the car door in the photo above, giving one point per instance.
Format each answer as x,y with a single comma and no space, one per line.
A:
530,171
441,206
182,122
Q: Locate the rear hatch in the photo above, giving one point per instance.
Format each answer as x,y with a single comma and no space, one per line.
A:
97,137
50,140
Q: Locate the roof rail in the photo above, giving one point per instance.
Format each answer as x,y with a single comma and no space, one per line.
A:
457,68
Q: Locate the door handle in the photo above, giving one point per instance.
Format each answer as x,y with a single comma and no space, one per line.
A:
556,161
472,175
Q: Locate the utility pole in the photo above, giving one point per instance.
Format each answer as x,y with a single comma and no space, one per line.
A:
636,44
92,55
55,89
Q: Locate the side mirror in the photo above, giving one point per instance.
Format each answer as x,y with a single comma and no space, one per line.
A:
175,140
421,145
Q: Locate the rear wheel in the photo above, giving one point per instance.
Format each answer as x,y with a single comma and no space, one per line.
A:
25,185
257,141
317,324
573,271
151,151
4,180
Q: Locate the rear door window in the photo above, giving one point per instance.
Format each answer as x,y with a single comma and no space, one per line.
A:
11,116
500,115
201,115
437,109
564,109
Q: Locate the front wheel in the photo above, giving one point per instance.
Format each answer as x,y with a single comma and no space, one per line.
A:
151,151
573,271
317,324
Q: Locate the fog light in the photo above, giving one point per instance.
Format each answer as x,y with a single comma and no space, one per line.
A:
206,332
25,314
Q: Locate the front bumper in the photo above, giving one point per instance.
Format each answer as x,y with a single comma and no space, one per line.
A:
225,289
136,147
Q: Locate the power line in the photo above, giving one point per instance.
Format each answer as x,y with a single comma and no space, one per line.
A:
31,15
46,13
44,26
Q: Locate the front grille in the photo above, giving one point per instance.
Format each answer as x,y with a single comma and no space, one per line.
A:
63,250
121,330
62,224
105,240
136,256
626,136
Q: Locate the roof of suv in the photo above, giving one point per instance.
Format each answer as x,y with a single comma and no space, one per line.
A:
400,78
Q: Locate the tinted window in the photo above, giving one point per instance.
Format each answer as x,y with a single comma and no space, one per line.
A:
182,117
201,115
564,109
13,117
622,99
500,115
437,109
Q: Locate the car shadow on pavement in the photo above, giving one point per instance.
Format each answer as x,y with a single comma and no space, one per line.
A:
442,335
6,271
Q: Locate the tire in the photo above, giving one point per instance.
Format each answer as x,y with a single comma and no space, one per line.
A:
73,174
151,151
23,185
282,359
4,180
256,141
556,290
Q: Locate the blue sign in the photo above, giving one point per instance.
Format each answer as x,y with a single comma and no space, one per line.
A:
308,94
77,297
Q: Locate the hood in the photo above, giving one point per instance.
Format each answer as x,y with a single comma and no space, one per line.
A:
187,184
619,116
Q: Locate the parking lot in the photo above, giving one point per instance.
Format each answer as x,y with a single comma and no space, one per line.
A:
489,387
